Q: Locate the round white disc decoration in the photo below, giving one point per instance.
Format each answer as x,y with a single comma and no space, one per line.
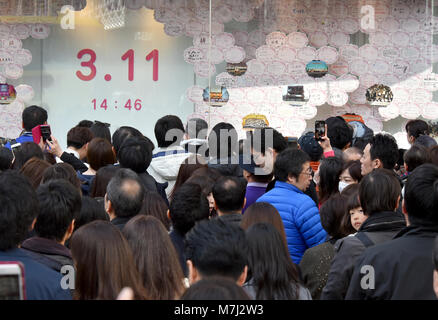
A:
225,79
410,111
400,68
193,55
349,83
193,28
317,97
389,24
287,54
410,53
255,67
401,95
340,67
194,94
21,31
25,93
265,53
380,39
374,124
318,39
350,25
296,69
337,98
234,54
276,68
257,38
276,39
241,37
255,95
368,80
349,52
297,40
224,40
369,52
420,96
390,112
40,31
203,69
430,82
400,39
379,67
430,111
307,54
327,54
359,66
224,13
294,127
339,39
201,40
389,52
214,55
174,28
307,112
308,25
410,25
13,71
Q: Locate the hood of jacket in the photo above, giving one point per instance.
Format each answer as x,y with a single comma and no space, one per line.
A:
166,162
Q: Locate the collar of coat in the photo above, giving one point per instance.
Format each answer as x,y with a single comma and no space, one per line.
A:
383,221
285,185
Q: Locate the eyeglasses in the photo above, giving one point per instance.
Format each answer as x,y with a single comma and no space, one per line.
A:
308,171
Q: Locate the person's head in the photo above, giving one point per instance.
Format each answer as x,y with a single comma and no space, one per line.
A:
332,213
353,215
101,180
18,209
26,151
416,128
415,157
154,205
121,134
6,157
435,263
339,133
62,171
206,183
350,174
155,257
223,141
60,204
33,116
379,191
216,248
169,131
420,201
85,124
187,167
270,267
34,169
425,141
91,210
380,152
229,195
135,154
293,166
265,145
329,171
352,154
101,130
104,263
310,146
251,171
124,194
215,288
188,206
196,128
78,138
263,212
100,153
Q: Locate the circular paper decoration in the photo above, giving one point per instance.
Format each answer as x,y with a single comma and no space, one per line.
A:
430,82
389,24
216,96
410,25
319,39
380,39
193,27
337,98
25,93
338,39
224,40
201,40
368,52
348,83
276,68
368,80
339,68
328,54
204,69
308,25
256,67
318,97
379,95
223,13
7,93
410,111
21,31
296,68
22,57
307,112
410,53
400,68
265,53
13,71
400,39
297,40
359,66
389,52
294,127
236,69
389,112
226,80
241,37
174,28
317,69
430,111
306,54
287,54
349,52
194,94
214,55
11,43
374,124
350,26
379,66
40,31
193,55
276,39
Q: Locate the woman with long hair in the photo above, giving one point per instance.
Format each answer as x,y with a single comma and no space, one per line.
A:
272,274
329,171
104,263
188,166
155,257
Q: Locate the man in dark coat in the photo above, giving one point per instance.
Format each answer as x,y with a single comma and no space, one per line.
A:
403,268
379,194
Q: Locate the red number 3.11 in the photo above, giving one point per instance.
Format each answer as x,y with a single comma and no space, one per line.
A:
128,55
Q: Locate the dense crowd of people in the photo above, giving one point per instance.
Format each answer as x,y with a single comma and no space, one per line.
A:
204,215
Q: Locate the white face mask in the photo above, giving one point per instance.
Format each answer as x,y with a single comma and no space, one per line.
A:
342,185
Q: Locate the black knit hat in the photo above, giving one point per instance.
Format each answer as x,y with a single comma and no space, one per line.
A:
310,146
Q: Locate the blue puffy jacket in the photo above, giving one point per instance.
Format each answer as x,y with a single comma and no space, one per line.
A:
300,216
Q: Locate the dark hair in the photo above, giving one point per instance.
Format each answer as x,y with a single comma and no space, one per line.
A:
50,158
155,257
34,169
85,124
229,194
100,153
263,212
188,206
6,157
207,172
384,147
289,162
215,288
62,171
258,137
101,130
101,180
135,154
60,203
18,208
217,248
353,150
217,144
433,154
332,213
274,274
310,146
354,170
26,151
339,133
206,183
421,195
329,171
425,141
351,194
416,128
123,133
91,210
163,125
104,263
126,193
77,137
379,191
186,169
33,116
154,205
200,126
416,156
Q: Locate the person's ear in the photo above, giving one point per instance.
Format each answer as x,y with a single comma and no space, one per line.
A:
244,203
242,277
406,167
70,230
377,164
193,272
32,226
405,212
168,214
22,124
291,179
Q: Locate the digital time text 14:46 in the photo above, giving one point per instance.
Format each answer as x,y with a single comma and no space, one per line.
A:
131,104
